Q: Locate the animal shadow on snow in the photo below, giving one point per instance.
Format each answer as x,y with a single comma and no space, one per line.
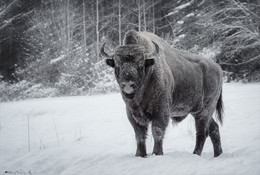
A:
187,155
224,155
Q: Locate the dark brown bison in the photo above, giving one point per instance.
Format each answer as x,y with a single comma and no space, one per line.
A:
158,82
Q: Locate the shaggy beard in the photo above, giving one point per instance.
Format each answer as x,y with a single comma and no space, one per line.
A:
129,96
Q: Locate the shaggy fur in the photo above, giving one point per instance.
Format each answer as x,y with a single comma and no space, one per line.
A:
174,84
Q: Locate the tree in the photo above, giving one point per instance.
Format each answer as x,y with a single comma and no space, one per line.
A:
144,15
84,47
68,27
97,30
119,23
153,18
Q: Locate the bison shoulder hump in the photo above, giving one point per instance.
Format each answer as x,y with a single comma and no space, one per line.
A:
131,37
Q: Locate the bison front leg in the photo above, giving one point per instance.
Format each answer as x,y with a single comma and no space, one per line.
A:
140,135
158,131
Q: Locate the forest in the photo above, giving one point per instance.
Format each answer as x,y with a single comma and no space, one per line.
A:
51,47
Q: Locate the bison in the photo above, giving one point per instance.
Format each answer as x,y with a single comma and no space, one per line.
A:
158,82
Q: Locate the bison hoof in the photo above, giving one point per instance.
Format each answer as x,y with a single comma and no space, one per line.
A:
158,153
141,153
216,154
144,155
197,152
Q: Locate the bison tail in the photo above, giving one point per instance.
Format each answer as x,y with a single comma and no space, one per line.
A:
220,109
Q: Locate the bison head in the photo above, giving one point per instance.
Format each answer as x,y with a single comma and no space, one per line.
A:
130,63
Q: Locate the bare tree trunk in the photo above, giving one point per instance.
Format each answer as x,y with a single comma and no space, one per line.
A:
84,30
52,11
68,27
153,19
119,22
139,15
97,31
144,15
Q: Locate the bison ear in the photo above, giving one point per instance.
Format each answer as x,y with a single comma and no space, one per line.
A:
110,62
149,62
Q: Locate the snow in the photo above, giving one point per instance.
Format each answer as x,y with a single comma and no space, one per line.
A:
210,52
53,61
180,7
95,137
190,15
180,22
183,6
178,38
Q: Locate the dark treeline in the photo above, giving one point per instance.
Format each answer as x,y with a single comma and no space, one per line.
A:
52,46
12,24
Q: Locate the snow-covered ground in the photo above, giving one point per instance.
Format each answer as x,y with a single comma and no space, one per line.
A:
93,136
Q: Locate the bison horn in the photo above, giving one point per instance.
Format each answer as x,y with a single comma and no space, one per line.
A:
103,53
156,48
156,51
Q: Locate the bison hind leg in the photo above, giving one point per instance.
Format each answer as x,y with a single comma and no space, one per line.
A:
215,138
206,126
201,124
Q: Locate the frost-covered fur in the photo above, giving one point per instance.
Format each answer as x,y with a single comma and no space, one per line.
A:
177,84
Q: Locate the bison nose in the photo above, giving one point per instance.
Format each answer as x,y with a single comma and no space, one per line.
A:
128,86
128,83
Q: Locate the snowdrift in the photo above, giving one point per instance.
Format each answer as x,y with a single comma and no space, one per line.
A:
91,135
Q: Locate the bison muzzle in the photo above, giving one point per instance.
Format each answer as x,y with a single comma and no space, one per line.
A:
159,83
